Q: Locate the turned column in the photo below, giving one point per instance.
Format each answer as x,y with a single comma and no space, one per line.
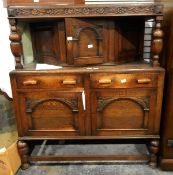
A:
15,45
23,152
154,149
157,41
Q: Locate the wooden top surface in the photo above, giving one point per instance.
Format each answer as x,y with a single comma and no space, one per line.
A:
124,68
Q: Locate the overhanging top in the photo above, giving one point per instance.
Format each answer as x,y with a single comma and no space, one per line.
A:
85,11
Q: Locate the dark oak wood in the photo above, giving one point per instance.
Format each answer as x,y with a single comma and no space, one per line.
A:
23,152
154,149
89,41
167,133
122,112
42,117
166,164
54,51
96,40
16,45
68,81
85,11
115,80
157,43
91,158
104,100
42,2
111,114
91,137
166,153
82,41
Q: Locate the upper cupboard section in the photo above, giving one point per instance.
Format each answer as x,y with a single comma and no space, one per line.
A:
83,41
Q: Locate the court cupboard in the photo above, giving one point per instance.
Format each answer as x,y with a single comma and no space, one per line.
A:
107,83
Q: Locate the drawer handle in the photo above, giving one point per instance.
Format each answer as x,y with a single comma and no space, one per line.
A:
30,82
144,81
105,81
69,82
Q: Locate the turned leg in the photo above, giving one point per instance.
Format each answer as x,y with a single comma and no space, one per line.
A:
23,152
153,148
16,44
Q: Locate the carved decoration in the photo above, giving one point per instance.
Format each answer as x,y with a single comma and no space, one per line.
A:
31,104
157,42
104,101
77,32
16,46
87,10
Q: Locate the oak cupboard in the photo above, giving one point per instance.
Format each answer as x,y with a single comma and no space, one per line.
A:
110,84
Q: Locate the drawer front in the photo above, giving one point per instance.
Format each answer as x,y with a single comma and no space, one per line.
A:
103,80
49,81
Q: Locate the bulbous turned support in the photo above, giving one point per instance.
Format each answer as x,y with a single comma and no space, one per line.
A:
23,152
157,43
154,149
15,45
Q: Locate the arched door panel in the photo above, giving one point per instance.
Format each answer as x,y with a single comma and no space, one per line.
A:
124,113
57,113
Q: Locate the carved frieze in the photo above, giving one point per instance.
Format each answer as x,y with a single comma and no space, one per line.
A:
104,101
87,10
51,104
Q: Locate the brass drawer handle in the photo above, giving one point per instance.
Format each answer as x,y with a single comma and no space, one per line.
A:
105,81
69,82
30,82
144,81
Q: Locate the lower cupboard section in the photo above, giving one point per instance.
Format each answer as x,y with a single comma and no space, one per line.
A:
63,107
120,112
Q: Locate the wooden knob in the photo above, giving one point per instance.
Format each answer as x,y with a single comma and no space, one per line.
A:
105,81
144,81
69,82
30,82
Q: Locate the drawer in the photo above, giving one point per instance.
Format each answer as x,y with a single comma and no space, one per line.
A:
49,81
104,80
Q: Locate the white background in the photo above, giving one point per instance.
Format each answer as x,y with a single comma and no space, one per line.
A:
6,58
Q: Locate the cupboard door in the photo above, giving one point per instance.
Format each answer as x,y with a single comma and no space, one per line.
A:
123,112
51,113
87,40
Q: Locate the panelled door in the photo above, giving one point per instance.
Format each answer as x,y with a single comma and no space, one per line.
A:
123,112
51,113
88,40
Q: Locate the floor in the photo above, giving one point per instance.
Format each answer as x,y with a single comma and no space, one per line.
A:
8,135
92,169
